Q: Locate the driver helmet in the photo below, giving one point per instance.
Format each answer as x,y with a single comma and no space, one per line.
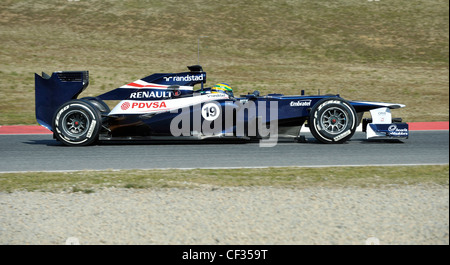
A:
222,88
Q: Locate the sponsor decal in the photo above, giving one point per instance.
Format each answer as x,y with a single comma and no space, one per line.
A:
327,103
125,105
185,78
339,137
148,105
91,129
395,131
399,132
143,106
392,128
219,95
382,117
300,103
138,106
151,94
59,114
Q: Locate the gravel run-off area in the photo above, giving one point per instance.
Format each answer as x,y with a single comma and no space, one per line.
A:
408,215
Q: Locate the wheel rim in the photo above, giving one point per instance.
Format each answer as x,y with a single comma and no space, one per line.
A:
334,120
75,123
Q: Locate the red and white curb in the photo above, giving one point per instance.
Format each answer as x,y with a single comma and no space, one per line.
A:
36,129
23,129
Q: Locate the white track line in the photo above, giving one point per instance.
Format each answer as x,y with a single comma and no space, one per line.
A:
221,168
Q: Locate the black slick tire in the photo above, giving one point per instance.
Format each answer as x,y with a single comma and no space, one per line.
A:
333,121
77,122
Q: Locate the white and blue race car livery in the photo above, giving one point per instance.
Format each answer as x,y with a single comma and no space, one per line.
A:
166,106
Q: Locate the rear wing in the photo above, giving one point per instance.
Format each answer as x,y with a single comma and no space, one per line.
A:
52,91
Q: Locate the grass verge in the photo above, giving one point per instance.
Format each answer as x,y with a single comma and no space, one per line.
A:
286,177
389,51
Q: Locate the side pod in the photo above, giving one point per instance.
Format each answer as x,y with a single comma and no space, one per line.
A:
52,91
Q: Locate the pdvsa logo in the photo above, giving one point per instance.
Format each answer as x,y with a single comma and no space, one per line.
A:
144,105
125,105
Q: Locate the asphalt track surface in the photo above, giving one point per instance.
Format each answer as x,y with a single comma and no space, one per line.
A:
42,153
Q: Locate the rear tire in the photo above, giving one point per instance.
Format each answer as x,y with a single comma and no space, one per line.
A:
97,102
333,121
77,122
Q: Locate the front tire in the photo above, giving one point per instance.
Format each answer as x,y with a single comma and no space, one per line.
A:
333,121
77,122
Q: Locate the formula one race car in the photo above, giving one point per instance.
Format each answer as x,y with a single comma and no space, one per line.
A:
166,106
